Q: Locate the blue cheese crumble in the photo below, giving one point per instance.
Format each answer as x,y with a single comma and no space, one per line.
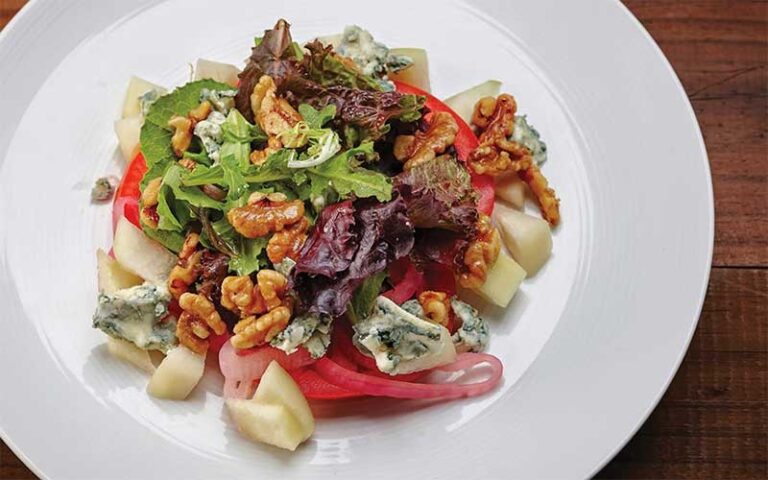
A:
529,137
401,342
209,131
372,57
136,315
312,331
472,335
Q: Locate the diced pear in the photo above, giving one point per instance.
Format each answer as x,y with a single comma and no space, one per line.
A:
511,190
128,131
503,280
464,102
268,423
136,88
141,255
277,386
130,353
416,74
177,375
221,72
527,238
112,275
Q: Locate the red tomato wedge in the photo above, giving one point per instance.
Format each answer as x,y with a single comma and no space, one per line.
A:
465,142
408,281
126,203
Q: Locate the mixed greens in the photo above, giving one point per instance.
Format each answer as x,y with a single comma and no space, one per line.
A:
317,212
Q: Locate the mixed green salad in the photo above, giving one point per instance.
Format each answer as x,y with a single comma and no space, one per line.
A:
314,220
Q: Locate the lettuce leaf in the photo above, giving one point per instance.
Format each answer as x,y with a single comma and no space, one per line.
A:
327,68
155,137
349,243
364,298
343,174
439,194
275,56
317,118
366,110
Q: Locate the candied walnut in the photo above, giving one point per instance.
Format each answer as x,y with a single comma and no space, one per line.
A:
272,286
264,216
185,272
288,242
241,296
182,136
149,197
188,163
252,331
548,202
436,306
183,275
192,333
212,271
258,157
496,154
481,253
198,317
201,112
425,146
273,114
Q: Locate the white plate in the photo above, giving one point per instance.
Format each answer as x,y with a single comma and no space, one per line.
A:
589,345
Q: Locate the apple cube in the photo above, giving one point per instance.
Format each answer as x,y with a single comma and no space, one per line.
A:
269,423
527,238
141,255
128,132
130,353
502,281
464,102
177,375
136,88
277,386
220,72
112,275
418,73
511,190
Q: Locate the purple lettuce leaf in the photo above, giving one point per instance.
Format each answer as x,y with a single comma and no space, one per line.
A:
361,242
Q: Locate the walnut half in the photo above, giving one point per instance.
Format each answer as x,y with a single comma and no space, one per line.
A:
425,146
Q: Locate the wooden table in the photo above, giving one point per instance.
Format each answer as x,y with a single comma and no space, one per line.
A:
713,421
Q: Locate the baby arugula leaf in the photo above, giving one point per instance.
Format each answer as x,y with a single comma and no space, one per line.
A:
156,136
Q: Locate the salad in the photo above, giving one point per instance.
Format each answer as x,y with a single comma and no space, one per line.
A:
312,224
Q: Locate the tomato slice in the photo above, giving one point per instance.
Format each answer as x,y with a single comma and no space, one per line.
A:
465,142
126,203
408,281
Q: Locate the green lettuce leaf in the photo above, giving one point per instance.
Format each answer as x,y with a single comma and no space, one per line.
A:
364,298
317,118
190,195
155,135
236,129
343,174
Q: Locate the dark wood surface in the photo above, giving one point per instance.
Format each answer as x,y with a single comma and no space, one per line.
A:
713,421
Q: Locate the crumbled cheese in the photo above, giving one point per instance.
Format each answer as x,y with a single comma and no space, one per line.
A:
310,330
210,134
472,335
401,342
103,189
372,57
222,101
526,135
137,315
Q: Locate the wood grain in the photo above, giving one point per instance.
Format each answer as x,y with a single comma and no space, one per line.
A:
713,421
